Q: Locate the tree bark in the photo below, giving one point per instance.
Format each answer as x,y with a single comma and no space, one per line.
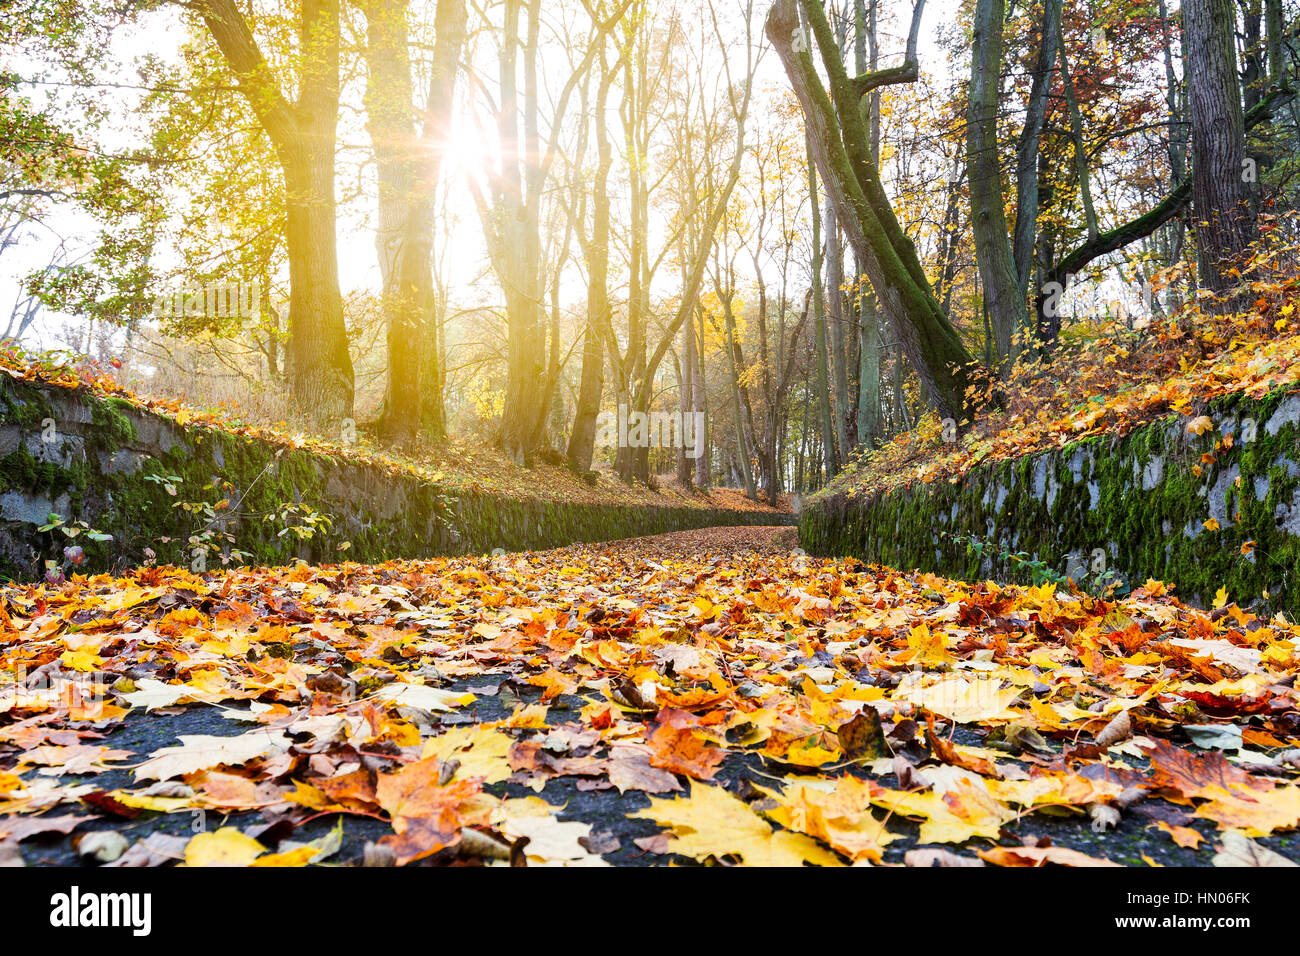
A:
993,253
303,135
1220,196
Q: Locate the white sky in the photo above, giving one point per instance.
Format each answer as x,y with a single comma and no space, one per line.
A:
358,267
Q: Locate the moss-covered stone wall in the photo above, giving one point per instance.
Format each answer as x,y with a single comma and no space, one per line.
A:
180,495
1160,502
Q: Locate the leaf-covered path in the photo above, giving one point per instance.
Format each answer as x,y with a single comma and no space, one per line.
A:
711,696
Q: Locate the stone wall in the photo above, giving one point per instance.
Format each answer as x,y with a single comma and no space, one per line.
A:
105,462
1130,507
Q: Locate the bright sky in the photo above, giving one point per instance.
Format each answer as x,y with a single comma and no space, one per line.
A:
464,256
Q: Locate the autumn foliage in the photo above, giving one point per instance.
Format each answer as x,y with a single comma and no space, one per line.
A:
753,704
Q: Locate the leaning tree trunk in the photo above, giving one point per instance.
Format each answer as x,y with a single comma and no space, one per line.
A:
841,151
1220,195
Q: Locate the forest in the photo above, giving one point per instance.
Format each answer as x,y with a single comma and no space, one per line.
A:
648,432
500,223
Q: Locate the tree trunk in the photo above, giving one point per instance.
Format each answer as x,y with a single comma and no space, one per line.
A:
582,439
303,134
685,400
1177,132
1076,133
1220,195
987,211
868,411
699,400
1027,200
819,328
838,341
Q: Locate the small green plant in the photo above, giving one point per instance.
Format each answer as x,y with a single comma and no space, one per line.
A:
215,510
73,554
1038,570
1105,584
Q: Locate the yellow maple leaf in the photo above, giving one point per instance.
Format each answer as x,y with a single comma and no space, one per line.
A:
962,700
964,813
482,751
927,646
712,822
1256,813
81,661
840,818
225,847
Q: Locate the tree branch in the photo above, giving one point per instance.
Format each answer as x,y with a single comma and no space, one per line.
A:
1147,223
907,73
239,47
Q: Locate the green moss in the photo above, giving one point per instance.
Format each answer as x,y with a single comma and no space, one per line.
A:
26,407
111,418
382,517
1142,532
21,470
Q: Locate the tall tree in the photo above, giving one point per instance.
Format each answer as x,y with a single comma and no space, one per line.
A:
997,268
303,134
1220,192
841,151
408,162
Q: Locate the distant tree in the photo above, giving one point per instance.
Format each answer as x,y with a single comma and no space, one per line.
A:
408,160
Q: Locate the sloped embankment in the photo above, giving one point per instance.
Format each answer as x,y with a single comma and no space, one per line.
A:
1199,508
184,494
